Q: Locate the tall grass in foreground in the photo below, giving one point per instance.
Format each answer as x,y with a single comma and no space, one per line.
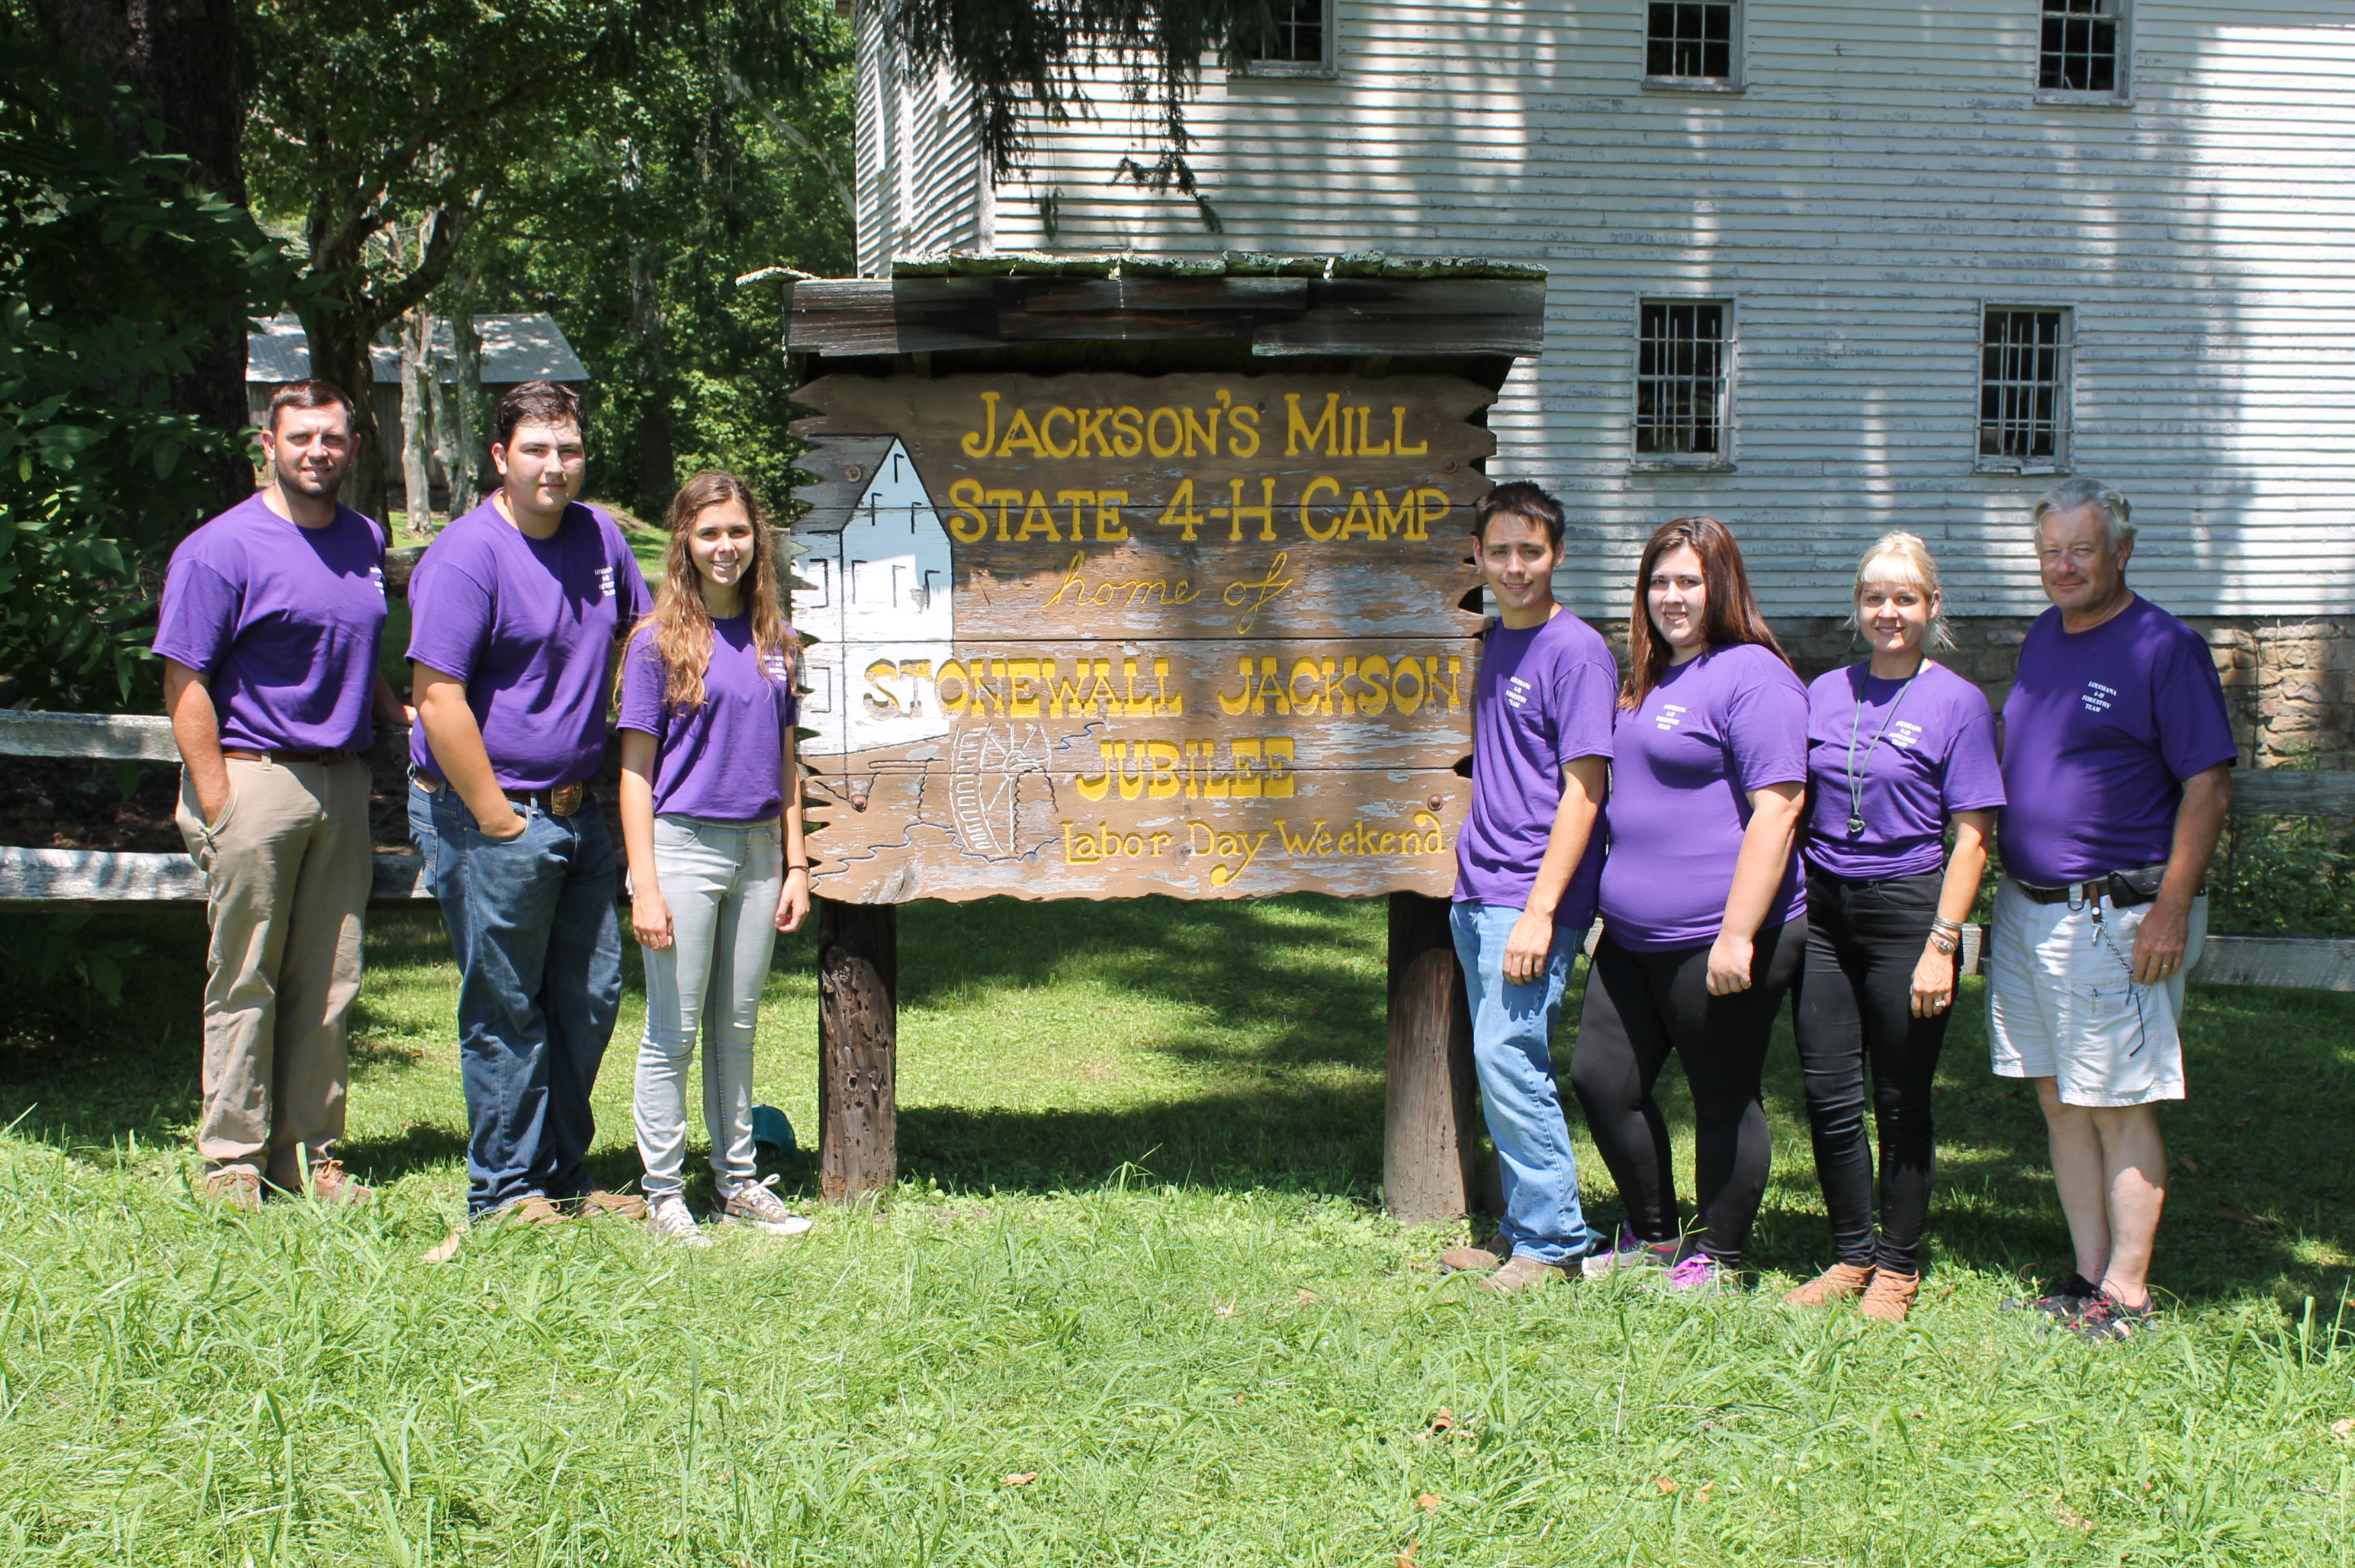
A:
1132,1305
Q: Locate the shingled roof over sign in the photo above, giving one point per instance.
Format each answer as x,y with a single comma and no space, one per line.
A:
527,347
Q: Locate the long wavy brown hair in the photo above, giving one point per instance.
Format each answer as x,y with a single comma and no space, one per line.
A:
680,624
1730,614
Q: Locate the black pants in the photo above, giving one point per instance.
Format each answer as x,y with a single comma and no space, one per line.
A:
1854,1008
1640,1008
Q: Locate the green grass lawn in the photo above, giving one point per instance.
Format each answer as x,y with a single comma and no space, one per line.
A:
1133,1303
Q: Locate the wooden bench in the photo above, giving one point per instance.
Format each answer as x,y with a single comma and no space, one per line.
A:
56,878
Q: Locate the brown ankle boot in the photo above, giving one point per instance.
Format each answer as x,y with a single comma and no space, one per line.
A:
1837,1283
1891,1296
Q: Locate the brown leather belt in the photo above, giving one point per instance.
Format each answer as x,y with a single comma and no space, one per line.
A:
2118,888
564,800
325,759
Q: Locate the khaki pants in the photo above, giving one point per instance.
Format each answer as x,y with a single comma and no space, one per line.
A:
287,873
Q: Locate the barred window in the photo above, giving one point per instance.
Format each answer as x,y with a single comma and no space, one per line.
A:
1690,38
1301,44
2080,52
2024,389
1681,381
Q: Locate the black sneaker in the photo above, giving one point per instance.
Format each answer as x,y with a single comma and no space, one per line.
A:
2105,1319
2062,1302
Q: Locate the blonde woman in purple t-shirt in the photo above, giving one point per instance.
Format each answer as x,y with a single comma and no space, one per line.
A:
1898,748
711,817
1704,920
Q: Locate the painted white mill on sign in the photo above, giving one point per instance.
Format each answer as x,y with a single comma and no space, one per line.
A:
881,591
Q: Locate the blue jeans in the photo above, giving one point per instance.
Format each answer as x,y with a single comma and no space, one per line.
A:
539,962
1512,1032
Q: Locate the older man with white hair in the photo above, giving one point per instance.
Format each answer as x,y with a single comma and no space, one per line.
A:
2117,768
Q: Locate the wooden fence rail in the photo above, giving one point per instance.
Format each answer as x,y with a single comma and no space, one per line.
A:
56,878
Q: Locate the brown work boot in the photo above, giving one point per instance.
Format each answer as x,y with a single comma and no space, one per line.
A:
532,1210
1837,1283
235,1187
1521,1273
331,1183
1891,1295
1480,1257
597,1204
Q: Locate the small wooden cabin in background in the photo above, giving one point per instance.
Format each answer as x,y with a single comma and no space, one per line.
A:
527,347
1820,269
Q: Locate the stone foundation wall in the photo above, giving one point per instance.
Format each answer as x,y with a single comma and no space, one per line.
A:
2290,683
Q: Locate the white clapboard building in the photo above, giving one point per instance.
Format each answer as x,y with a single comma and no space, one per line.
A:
1820,269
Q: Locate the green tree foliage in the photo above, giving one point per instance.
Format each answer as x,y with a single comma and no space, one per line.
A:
112,265
712,159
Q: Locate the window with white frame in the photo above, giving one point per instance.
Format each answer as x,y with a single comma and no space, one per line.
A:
1692,43
1301,44
2083,50
2024,389
1683,346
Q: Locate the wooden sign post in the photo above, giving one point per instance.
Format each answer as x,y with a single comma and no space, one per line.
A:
1105,634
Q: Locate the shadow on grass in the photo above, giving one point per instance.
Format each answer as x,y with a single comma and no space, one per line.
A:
2262,1199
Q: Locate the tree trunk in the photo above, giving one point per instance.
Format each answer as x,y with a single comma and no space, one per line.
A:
183,56
657,456
1429,1133
462,453
339,352
416,372
859,1048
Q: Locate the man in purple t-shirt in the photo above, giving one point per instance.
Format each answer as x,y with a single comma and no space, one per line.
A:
1527,865
269,629
515,614
2117,757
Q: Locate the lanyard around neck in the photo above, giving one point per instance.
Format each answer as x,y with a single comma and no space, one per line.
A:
1856,776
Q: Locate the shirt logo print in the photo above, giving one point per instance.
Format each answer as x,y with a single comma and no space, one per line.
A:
1517,691
1669,716
2097,698
375,575
1906,734
605,581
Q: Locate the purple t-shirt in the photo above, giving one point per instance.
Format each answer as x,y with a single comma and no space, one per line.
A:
722,760
2100,732
284,622
1717,727
1545,698
1935,756
528,624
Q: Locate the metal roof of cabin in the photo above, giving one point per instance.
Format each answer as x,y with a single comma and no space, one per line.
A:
527,347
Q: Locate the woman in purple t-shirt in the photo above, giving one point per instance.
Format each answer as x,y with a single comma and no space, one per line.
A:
1703,918
1897,748
711,817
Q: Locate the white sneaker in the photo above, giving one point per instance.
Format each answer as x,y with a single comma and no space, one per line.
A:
673,1221
753,1204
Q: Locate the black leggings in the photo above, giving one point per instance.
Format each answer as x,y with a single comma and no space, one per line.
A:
1854,1007
1640,1007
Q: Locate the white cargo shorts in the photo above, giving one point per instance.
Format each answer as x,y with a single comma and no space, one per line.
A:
2063,1002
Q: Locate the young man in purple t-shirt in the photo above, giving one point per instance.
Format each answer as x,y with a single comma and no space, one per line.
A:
2117,758
515,612
1527,865
269,630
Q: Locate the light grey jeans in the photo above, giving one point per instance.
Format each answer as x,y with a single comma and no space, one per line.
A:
721,880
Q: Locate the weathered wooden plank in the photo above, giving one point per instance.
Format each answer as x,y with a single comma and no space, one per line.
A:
55,878
101,737
1037,830
1094,297
2292,792
2306,963
859,1050
1429,1129
1382,315
1337,702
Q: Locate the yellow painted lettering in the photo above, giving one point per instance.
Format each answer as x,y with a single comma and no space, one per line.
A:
1248,756
1242,432
1001,499
1180,514
1398,433
951,671
1305,669
1366,447
1430,507
1361,518
1128,433
1047,442
1038,519
880,702
1080,850
1162,758
1408,665
1375,675
1270,690
1075,499
1264,511
1398,522
1207,432
1278,783
1109,528
1317,487
969,524
979,443
1091,423
1153,440
1237,703
1329,428
1018,432
1022,689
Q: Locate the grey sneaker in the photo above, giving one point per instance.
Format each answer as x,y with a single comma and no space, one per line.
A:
753,1204
673,1221
1627,1253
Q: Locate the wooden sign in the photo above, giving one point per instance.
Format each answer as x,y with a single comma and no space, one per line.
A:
1098,635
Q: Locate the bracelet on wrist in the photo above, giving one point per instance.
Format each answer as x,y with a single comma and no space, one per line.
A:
1954,927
